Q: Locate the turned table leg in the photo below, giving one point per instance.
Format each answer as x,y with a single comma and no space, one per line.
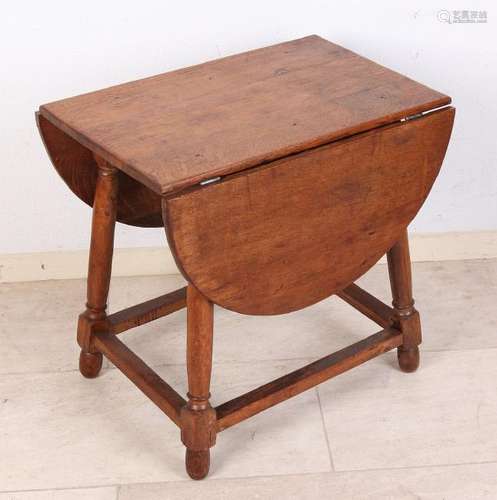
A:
406,316
198,418
99,267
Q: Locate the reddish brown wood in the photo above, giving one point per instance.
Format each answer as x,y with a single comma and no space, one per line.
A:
321,168
102,240
198,418
99,267
289,234
137,205
174,130
294,383
151,384
406,316
90,363
408,359
145,312
368,305
198,463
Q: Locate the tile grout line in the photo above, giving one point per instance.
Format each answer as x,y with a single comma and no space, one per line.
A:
262,476
304,474
325,430
67,488
220,363
425,466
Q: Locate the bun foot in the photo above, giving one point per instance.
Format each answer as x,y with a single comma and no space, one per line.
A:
408,359
90,364
197,463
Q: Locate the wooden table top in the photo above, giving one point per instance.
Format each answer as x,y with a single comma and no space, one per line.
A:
177,129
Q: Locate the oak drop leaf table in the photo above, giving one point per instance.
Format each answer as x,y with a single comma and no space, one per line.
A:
280,176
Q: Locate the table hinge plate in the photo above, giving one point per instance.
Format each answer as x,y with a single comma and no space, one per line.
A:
411,117
210,181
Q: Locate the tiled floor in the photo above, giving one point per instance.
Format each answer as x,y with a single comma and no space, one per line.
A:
372,433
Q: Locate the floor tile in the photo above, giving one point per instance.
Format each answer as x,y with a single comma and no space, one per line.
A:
38,320
59,430
311,333
475,482
109,493
288,438
446,413
38,325
446,294
456,300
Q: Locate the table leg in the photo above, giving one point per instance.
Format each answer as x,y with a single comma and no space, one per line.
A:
99,267
198,418
406,316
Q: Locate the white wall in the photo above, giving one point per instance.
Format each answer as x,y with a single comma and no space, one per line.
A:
56,49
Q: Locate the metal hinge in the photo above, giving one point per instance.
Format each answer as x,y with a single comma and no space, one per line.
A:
411,117
210,181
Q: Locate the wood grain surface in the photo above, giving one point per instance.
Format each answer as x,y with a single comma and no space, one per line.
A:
137,205
176,129
288,234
